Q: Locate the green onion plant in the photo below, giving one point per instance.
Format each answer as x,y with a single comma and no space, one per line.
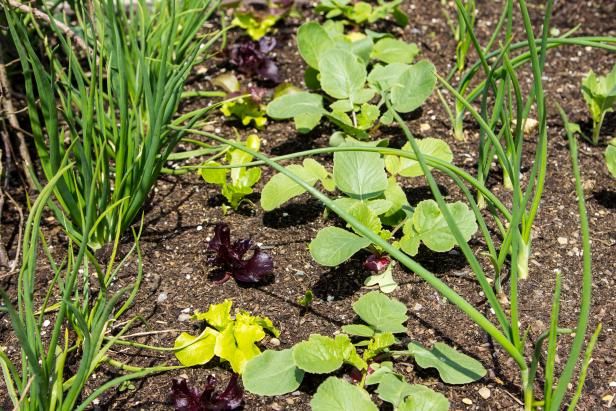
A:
108,109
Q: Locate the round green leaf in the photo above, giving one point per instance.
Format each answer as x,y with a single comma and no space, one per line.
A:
318,355
272,373
342,74
338,395
295,104
382,313
413,87
410,168
312,41
453,366
422,398
391,50
333,245
360,174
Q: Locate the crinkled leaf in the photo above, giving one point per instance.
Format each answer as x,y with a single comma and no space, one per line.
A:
453,366
429,226
391,50
364,214
230,257
272,373
382,313
332,246
187,398
339,395
236,344
213,176
199,352
413,87
218,315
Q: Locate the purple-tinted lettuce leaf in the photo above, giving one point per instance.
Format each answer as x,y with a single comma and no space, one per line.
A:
251,58
230,257
187,398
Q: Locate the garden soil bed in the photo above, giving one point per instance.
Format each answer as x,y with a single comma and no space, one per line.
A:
182,212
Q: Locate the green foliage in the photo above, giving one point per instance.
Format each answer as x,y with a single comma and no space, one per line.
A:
453,366
332,246
345,69
381,313
377,201
337,394
600,95
276,373
279,372
232,339
280,189
610,157
246,108
362,12
113,112
257,20
428,226
385,280
235,183
62,318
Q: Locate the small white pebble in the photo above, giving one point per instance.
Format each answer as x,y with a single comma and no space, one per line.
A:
162,297
467,401
183,317
417,307
186,310
562,240
484,392
612,383
199,227
188,276
275,342
330,298
46,323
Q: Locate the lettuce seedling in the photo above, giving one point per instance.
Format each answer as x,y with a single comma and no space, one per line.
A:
362,12
187,398
258,18
235,183
252,58
244,104
600,95
230,257
232,339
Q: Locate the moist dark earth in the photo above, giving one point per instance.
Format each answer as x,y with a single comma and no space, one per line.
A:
183,210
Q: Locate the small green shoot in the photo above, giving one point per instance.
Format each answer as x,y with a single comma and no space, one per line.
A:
600,95
237,182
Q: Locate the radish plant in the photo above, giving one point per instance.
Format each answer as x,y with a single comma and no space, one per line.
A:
368,351
351,70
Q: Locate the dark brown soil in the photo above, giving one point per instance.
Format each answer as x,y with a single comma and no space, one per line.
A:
183,211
